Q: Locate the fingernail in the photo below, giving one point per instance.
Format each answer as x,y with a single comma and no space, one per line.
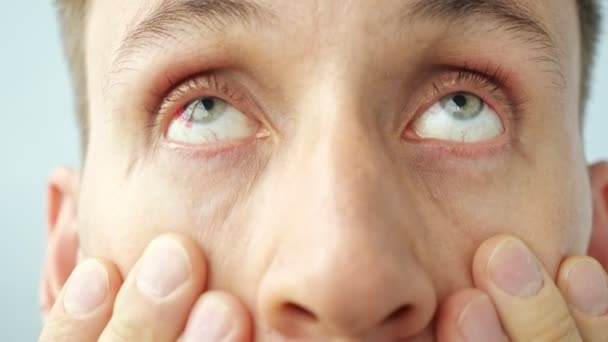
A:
513,269
588,288
479,322
164,268
86,289
210,321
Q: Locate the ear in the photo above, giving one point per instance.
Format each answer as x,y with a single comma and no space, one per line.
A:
62,235
598,247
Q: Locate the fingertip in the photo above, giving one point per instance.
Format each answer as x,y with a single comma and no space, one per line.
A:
218,316
90,289
243,324
451,312
85,304
584,284
570,263
486,251
470,316
197,259
506,263
521,290
168,278
114,277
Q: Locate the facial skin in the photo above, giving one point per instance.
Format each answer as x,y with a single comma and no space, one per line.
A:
333,200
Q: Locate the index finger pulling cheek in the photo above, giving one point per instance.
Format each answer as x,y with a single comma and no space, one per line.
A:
529,304
159,292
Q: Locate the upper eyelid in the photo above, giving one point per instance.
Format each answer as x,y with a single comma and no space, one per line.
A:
212,84
472,82
487,83
460,76
500,84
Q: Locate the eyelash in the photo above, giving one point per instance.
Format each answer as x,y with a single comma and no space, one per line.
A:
492,84
207,85
489,83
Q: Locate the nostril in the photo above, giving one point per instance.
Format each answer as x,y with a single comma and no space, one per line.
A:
398,314
298,312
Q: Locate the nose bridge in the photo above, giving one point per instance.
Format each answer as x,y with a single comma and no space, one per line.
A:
340,146
346,199
354,176
344,264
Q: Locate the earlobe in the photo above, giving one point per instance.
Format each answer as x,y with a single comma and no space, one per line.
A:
598,247
62,235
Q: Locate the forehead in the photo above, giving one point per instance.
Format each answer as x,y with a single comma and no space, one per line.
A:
123,34
120,19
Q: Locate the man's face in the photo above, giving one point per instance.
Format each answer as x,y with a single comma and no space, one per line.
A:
338,161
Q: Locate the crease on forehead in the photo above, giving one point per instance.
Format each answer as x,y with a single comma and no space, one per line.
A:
168,17
520,20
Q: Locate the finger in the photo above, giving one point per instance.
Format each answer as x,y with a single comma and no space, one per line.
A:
218,316
585,286
84,306
529,304
155,300
469,316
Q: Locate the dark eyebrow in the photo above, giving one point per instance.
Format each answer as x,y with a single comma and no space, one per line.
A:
513,16
177,15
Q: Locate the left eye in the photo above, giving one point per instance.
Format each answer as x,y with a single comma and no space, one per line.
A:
460,117
210,120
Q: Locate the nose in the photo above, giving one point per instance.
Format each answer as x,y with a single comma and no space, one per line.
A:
345,293
345,266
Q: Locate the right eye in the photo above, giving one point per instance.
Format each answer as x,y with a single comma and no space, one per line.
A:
210,120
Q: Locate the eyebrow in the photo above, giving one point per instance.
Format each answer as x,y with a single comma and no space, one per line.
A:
512,16
172,16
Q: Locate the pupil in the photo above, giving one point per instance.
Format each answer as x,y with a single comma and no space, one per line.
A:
460,100
208,103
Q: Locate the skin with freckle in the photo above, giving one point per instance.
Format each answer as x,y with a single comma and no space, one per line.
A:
329,198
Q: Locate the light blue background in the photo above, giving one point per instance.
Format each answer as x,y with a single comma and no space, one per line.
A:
37,132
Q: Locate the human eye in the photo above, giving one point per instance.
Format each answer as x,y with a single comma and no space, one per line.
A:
467,109
209,112
209,120
459,117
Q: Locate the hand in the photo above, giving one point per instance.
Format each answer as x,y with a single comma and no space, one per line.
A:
159,301
516,300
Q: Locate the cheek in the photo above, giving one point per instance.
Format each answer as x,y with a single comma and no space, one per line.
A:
119,215
548,210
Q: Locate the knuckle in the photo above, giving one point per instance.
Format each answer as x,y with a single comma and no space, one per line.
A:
54,330
556,326
558,334
124,330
